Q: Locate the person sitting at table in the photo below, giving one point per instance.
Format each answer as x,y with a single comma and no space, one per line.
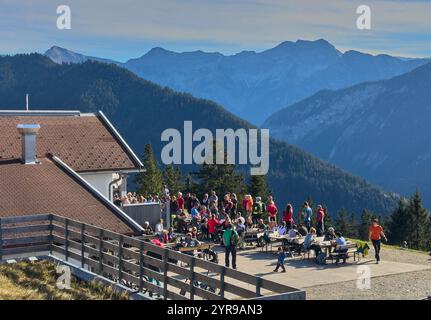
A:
165,236
171,235
204,228
281,229
158,230
181,221
310,242
329,234
303,231
340,242
213,223
189,242
261,226
293,232
240,224
147,228
194,232
195,214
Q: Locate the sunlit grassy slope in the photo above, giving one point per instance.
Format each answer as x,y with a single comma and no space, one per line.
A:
37,281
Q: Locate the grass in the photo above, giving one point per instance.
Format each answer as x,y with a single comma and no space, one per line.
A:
37,281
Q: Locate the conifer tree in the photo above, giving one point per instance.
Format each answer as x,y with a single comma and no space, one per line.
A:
150,181
172,178
258,186
364,225
419,219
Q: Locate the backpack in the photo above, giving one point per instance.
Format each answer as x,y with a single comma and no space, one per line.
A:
234,238
321,258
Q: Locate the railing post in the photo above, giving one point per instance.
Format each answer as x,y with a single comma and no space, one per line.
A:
82,245
66,239
192,278
100,251
120,258
51,238
1,242
141,266
258,286
222,283
165,273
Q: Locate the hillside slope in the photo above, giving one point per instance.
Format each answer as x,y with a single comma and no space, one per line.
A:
378,130
141,110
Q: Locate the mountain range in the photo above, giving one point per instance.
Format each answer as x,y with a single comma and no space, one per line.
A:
379,130
253,85
141,110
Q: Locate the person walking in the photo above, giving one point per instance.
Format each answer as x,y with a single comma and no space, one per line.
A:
280,260
230,240
375,235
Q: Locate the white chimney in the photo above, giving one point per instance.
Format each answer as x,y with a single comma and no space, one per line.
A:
28,140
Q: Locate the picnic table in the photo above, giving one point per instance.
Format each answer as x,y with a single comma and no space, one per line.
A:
286,241
326,246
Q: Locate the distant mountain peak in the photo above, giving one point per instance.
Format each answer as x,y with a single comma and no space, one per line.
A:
157,51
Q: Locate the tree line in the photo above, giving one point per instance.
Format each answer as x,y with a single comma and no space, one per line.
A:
410,222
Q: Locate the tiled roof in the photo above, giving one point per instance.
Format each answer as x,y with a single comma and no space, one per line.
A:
84,142
50,187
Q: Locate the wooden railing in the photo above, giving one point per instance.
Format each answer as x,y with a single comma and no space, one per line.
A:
132,261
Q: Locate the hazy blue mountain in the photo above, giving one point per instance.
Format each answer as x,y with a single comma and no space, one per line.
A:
62,55
378,130
141,110
253,85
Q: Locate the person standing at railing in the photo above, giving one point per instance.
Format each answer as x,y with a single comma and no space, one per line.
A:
319,220
230,241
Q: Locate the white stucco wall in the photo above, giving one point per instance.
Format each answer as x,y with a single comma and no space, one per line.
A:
100,181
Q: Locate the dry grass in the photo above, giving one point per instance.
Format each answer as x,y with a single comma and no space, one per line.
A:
37,281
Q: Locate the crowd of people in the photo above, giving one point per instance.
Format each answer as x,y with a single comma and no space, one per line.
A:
226,219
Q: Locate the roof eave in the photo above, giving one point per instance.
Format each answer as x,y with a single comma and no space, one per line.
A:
132,224
134,157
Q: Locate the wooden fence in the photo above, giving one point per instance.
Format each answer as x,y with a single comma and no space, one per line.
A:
132,261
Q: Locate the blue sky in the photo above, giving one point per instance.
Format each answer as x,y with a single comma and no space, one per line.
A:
125,29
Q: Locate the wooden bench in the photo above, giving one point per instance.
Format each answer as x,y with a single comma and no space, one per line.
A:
350,248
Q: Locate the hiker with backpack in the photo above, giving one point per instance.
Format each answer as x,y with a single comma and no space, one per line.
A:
258,209
230,241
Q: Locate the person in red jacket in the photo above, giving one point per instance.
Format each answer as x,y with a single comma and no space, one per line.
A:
375,235
320,221
272,210
213,223
288,216
180,201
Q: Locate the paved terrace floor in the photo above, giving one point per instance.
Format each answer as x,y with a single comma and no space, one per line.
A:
304,274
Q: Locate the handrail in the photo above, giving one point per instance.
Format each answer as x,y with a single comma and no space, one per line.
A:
131,261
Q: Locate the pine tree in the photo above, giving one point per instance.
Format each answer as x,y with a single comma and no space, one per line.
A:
419,216
342,222
222,178
364,226
172,179
258,186
189,184
328,219
150,181
399,227
353,227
